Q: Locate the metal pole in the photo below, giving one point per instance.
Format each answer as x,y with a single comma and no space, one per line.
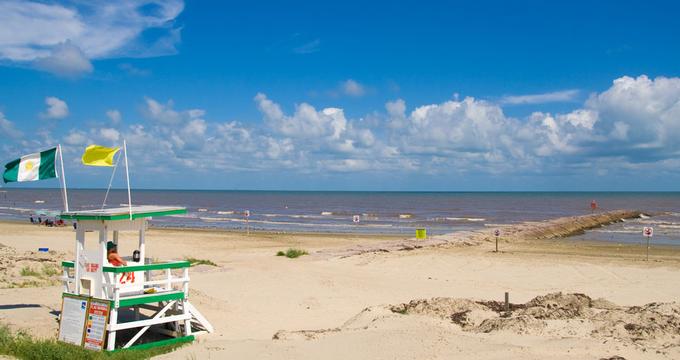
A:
496,243
507,301
113,173
647,248
127,176
63,178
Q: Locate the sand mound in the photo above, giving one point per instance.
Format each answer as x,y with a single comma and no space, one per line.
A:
654,326
29,269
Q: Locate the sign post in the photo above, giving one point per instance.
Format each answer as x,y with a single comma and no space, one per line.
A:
497,233
648,232
356,219
247,215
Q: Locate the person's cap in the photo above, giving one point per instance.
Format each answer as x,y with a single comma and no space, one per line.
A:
110,245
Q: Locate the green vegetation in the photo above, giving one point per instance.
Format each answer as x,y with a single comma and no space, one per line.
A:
194,262
27,271
50,270
292,253
23,346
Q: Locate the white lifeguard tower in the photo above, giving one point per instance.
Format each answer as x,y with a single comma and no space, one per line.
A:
160,289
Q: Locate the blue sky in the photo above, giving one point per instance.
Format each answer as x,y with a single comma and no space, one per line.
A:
482,95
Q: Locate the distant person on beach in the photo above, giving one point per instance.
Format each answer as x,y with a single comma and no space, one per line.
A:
32,220
112,255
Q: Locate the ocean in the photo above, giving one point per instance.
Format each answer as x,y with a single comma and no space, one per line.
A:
377,212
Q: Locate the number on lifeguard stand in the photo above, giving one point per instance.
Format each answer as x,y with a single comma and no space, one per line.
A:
126,278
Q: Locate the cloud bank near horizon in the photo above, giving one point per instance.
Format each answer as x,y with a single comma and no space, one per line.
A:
631,126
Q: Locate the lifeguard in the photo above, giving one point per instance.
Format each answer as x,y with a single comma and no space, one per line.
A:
112,255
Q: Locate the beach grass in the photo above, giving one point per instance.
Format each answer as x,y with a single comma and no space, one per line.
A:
292,253
27,271
23,346
194,261
50,270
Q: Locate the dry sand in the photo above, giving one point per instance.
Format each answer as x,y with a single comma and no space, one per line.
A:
432,302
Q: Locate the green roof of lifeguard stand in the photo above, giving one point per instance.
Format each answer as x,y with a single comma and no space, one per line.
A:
123,213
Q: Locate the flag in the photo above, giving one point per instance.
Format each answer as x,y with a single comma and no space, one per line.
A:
32,167
97,155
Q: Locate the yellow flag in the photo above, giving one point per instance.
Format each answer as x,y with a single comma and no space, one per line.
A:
97,155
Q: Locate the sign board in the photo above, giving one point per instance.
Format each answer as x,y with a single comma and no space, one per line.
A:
497,232
356,219
72,319
421,234
246,213
90,268
95,327
648,231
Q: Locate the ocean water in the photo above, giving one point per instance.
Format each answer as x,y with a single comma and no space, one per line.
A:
379,212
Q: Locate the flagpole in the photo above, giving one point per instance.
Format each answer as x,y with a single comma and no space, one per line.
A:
127,176
63,178
111,180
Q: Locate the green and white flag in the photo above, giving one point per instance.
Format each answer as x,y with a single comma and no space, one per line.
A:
32,167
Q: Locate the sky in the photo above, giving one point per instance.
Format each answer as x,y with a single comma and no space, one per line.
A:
352,95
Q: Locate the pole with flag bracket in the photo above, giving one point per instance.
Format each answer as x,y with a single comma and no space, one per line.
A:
127,176
63,178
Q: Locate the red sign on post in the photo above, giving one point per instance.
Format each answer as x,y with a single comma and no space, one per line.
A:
91,267
648,231
95,326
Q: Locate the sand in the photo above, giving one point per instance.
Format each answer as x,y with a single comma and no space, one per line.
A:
573,299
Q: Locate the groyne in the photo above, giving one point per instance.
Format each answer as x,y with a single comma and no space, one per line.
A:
526,231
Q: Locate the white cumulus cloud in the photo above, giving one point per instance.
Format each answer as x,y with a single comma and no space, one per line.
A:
352,88
7,127
62,38
557,96
114,115
56,108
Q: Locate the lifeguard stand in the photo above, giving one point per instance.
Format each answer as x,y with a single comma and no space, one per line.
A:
135,286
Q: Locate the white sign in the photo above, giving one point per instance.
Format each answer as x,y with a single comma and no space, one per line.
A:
648,231
72,323
246,213
356,219
497,232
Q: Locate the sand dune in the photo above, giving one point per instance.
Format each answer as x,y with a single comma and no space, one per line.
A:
651,328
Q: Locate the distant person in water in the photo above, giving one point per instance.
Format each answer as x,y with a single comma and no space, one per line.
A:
112,255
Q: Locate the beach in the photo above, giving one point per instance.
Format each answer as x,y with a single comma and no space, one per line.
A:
330,305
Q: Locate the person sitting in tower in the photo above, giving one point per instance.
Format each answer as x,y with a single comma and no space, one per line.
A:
112,255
